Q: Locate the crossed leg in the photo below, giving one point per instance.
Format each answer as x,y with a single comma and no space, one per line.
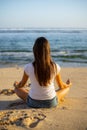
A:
22,93
61,93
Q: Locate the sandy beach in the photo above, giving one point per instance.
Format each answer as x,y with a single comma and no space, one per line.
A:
70,114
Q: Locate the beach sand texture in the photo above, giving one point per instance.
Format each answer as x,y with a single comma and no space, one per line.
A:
70,114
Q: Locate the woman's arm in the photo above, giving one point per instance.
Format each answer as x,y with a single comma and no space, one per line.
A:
22,82
61,84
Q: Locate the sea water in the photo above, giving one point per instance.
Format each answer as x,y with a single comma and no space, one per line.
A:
68,46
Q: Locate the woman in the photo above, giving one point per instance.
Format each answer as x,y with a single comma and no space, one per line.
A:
42,73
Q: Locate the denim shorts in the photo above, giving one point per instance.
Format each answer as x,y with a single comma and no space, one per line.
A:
42,103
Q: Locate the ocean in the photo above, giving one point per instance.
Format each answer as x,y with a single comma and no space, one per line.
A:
68,46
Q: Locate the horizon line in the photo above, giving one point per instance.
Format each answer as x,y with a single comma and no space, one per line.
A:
26,28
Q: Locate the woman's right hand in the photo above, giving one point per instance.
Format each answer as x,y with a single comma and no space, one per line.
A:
68,83
61,84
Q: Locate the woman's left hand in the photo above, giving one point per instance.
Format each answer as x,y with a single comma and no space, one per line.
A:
15,84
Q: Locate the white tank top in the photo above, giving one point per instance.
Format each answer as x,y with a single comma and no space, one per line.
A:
40,92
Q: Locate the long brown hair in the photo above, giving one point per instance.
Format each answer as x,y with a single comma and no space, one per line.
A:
44,68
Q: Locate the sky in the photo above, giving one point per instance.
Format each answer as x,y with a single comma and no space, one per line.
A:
43,13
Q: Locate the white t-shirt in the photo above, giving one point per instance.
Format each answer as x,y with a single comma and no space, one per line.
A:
40,92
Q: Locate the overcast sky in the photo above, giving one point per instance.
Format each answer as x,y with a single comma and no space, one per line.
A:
43,13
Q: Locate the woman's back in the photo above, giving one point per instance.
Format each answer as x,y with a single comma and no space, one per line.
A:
37,91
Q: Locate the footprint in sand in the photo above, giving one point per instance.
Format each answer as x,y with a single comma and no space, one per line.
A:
37,119
7,92
21,118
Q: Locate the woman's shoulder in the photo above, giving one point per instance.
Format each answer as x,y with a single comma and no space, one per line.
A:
28,66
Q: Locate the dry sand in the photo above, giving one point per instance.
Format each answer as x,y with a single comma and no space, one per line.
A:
70,114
